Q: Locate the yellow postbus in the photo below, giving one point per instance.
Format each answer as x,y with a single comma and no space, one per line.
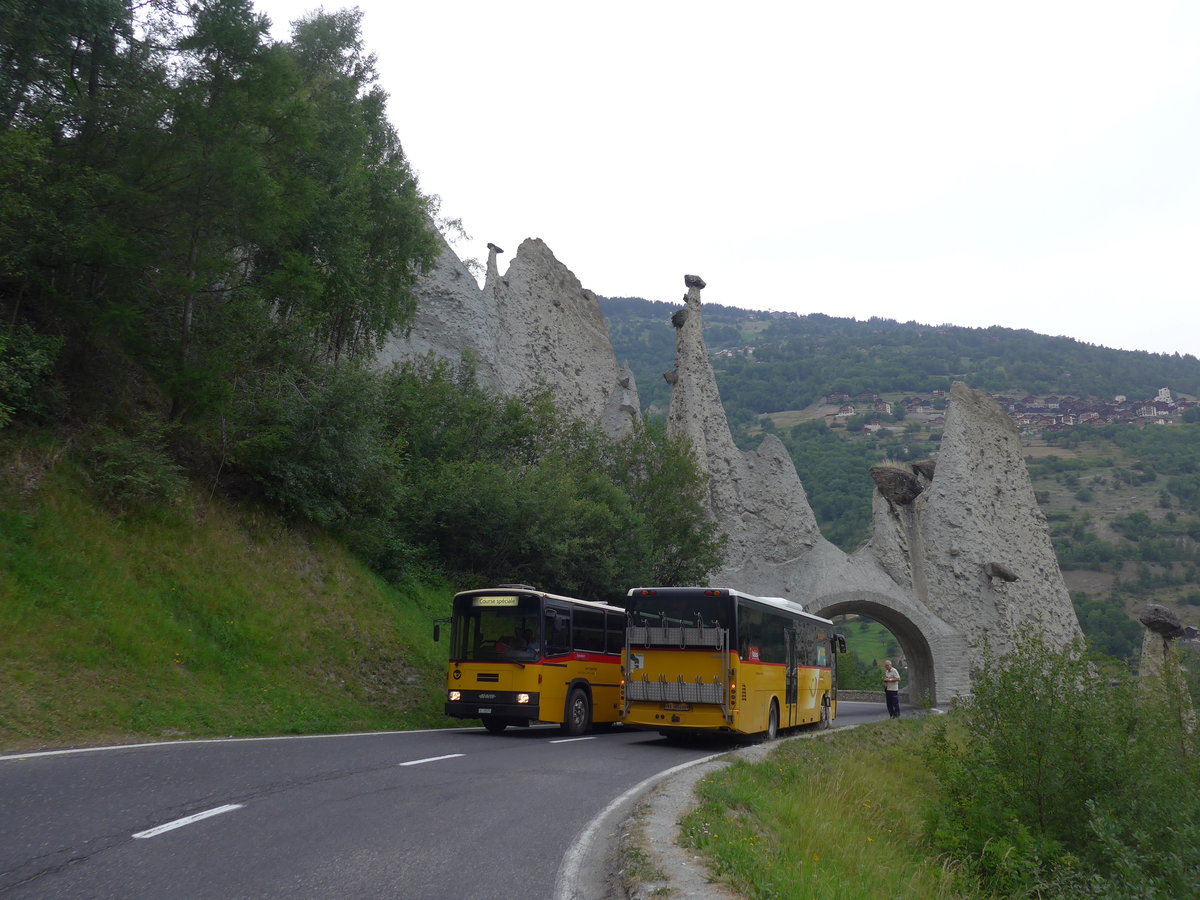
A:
703,659
519,656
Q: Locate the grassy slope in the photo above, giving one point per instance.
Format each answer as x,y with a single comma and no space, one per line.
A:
201,619
836,816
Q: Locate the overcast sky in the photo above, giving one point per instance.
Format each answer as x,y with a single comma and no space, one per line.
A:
1026,164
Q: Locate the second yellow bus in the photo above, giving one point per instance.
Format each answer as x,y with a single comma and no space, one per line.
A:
701,659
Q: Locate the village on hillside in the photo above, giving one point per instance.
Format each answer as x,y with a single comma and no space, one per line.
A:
1032,415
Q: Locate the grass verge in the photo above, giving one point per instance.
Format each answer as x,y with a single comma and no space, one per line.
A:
839,816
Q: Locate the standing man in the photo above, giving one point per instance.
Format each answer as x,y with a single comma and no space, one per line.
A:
891,688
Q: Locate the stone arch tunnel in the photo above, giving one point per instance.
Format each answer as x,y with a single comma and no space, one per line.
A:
920,679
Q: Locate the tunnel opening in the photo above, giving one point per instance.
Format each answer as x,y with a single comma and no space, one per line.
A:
875,633
868,645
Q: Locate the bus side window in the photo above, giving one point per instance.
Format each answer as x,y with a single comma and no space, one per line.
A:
774,646
750,634
589,630
615,628
558,632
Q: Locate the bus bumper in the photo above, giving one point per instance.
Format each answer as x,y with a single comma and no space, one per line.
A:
699,717
502,706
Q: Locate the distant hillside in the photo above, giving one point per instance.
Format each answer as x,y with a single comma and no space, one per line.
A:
795,360
1123,501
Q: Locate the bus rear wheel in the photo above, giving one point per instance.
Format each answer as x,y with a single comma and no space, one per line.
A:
772,731
494,724
826,715
579,713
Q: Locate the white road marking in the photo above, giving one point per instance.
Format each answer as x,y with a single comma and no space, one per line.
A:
188,820
568,740
568,879
417,762
284,737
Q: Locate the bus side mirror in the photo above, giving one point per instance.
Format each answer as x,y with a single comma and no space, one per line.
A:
437,633
841,643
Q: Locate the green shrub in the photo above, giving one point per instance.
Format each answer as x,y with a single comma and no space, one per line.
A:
317,446
1054,770
131,470
509,489
25,362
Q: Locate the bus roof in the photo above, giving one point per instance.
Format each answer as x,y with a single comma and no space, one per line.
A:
781,603
526,589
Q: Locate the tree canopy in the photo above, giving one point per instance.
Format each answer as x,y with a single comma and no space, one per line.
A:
187,196
205,238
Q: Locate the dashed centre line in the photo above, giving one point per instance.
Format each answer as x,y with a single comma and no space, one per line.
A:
417,762
188,820
230,807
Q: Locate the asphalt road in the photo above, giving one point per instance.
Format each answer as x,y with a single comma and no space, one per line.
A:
457,813
413,815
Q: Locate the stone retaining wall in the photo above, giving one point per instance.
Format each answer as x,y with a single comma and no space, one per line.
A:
870,696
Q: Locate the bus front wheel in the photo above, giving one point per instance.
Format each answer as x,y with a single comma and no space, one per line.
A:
494,724
579,713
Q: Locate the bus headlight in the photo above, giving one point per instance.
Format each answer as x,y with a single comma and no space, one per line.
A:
455,695
522,698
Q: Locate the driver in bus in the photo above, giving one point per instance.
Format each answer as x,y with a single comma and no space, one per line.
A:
510,643
531,641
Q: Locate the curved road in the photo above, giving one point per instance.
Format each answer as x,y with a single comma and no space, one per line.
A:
435,814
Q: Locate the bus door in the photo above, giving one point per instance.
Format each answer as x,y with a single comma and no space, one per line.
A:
837,644
556,631
792,688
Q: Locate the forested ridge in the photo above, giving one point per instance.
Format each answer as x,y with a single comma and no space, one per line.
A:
798,359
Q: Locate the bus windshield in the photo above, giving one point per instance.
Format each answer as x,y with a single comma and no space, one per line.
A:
491,627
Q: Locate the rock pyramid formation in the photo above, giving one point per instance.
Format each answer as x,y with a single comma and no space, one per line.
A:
756,497
536,324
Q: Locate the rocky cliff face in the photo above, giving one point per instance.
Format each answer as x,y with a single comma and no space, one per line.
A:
755,497
453,322
989,565
534,324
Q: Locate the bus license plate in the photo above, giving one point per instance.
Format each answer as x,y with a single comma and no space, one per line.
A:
677,707
484,711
